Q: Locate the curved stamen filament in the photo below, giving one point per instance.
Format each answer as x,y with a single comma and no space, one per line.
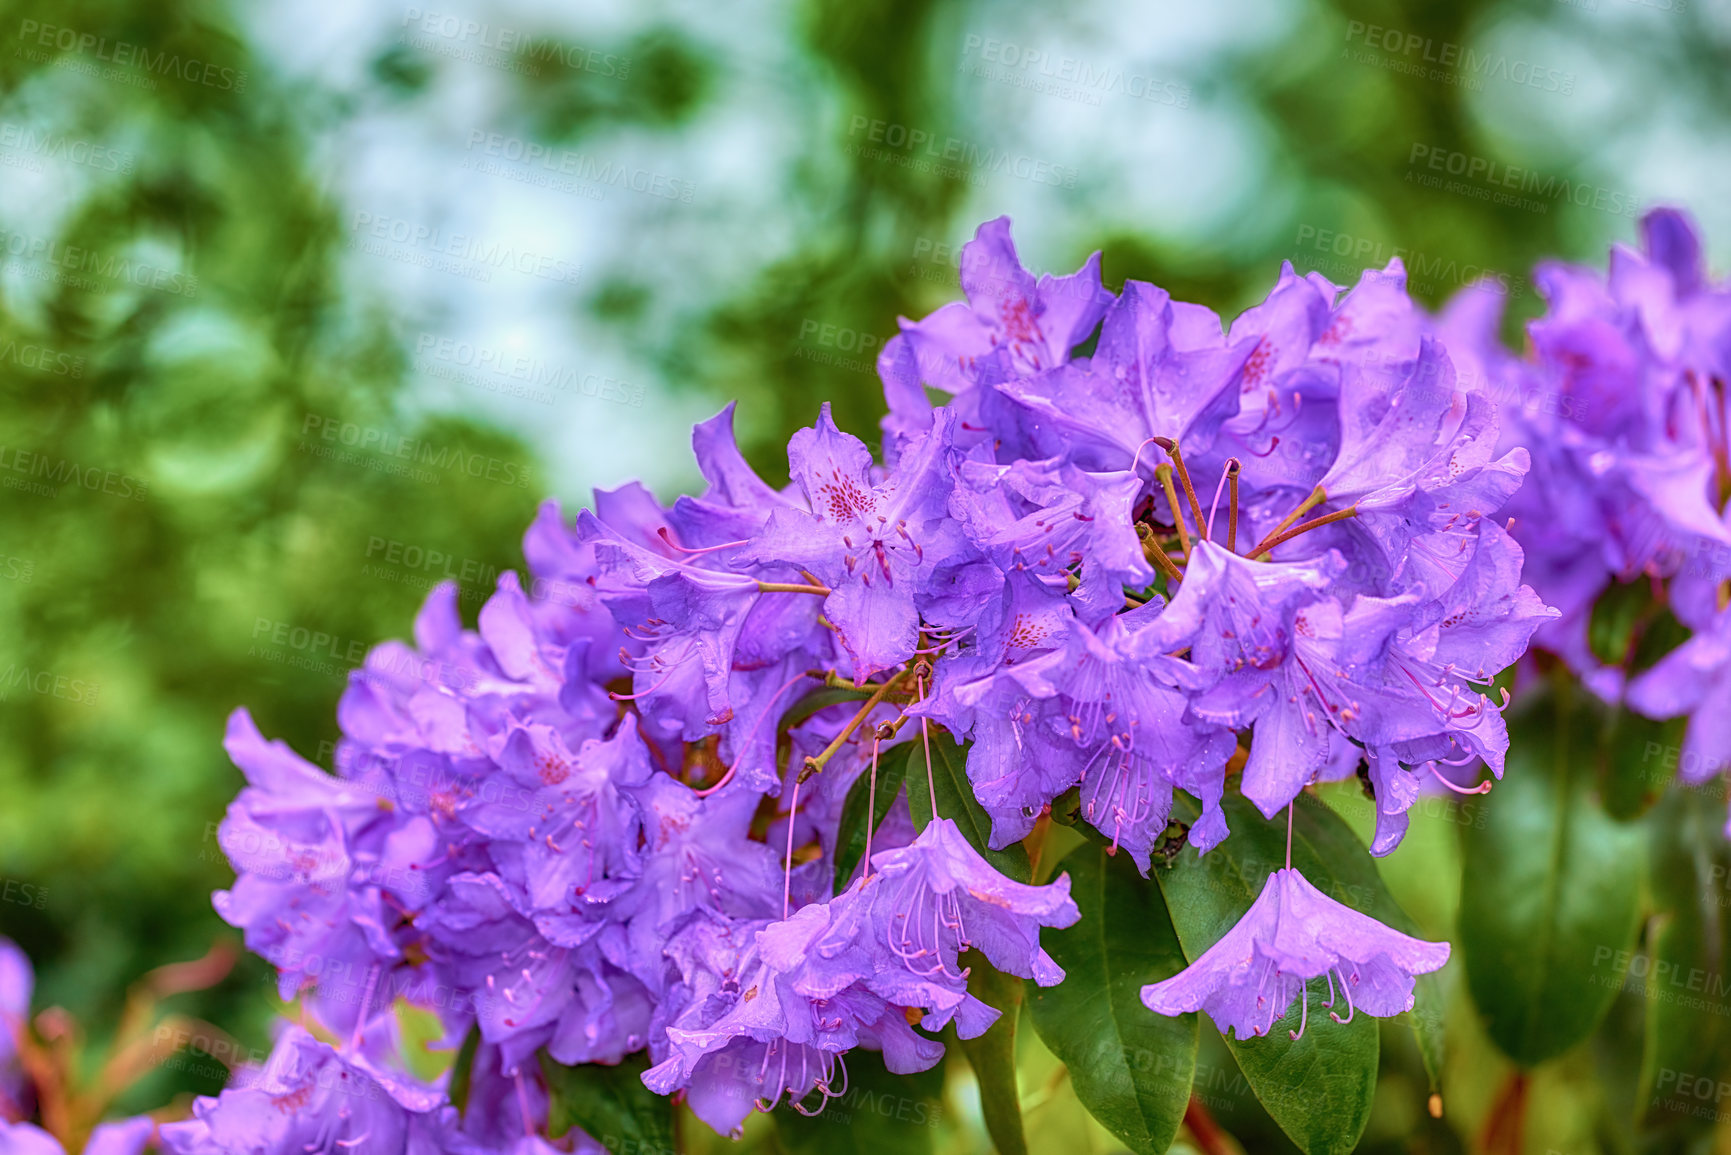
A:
787,875
757,726
1304,1014
1136,461
840,1065
1351,1011
665,678
1482,788
667,539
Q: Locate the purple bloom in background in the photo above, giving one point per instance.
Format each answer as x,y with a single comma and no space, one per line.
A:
288,835
696,858
129,1137
1119,723
1622,405
1694,679
1291,934
688,617
494,1119
17,982
574,844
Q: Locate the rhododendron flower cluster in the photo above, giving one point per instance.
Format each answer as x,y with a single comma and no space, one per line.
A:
1136,554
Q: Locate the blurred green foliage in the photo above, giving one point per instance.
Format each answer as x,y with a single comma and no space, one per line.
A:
185,358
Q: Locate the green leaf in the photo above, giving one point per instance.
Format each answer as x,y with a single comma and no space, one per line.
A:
819,700
1130,1068
610,1103
1319,1087
1660,634
1688,1000
464,1069
1615,623
946,777
1426,1020
993,1054
880,1112
851,833
1549,891
1632,767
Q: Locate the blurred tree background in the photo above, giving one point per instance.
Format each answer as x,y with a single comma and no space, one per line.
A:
303,307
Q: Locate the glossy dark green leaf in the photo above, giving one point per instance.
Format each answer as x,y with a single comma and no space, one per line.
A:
1130,1068
860,807
610,1103
1660,634
463,1069
820,700
1549,890
1688,997
1319,1087
1632,762
879,1112
1617,616
1426,1021
947,778
993,1054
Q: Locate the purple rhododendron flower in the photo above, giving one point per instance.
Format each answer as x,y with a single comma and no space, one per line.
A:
931,900
878,546
1012,325
308,1097
1291,934
772,1014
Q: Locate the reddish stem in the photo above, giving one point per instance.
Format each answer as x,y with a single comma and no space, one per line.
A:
1207,1133
1505,1127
